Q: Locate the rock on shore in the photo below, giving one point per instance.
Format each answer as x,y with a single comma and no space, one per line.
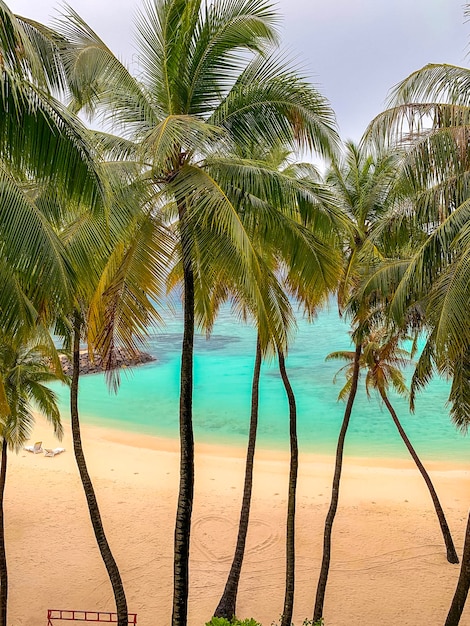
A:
122,359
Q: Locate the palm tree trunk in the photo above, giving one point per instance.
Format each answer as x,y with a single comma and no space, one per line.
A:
105,550
3,556
463,584
288,610
451,553
227,603
186,486
325,565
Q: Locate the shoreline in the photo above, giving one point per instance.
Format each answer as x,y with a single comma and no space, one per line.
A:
171,444
388,560
116,431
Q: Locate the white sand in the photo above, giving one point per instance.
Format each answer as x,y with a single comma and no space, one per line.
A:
388,562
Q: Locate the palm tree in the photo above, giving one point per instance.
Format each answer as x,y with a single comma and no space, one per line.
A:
364,188
383,360
110,310
328,529
288,608
463,584
309,282
51,267
41,143
429,113
93,508
207,79
25,370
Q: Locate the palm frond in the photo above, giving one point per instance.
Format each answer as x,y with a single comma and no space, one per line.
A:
41,137
130,287
25,371
423,371
459,396
434,83
270,103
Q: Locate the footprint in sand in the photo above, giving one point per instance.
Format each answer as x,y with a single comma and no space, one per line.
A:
404,559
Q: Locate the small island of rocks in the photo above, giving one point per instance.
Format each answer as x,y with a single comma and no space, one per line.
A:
95,365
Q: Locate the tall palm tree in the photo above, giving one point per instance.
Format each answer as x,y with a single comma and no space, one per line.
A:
25,370
41,143
110,309
364,188
206,80
429,113
227,603
308,225
92,502
328,529
288,609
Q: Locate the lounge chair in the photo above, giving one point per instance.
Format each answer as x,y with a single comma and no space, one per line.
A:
53,452
36,449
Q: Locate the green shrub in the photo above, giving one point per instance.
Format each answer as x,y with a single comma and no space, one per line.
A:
306,622
221,621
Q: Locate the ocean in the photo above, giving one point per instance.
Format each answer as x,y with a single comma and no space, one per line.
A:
148,398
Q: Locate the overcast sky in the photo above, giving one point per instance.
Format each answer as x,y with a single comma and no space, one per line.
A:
353,50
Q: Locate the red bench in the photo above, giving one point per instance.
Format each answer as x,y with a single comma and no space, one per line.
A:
86,616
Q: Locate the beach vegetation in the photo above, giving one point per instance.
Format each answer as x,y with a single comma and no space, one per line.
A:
429,113
194,195
209,81
25,371
223,621
363,183
306,622
312,225
43,151
113,284
383,360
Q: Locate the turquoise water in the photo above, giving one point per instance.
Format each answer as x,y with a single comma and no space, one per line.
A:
147,401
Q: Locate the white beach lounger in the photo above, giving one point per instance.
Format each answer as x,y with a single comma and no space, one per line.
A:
36,449
50,452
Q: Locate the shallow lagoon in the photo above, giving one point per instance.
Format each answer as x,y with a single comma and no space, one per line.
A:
148,397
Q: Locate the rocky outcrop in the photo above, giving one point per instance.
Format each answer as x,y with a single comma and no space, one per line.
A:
95,365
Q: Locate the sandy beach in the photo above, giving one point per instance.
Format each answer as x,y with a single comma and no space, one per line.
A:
388,561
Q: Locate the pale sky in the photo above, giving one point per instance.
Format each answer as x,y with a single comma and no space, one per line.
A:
354,51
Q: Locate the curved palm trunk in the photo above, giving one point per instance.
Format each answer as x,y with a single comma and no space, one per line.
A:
286,619
105,550
3,556
463,584
227,603
325,565
186,487
451,553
